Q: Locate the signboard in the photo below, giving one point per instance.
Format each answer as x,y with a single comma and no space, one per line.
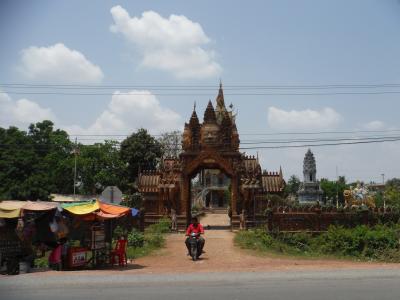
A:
111,194
77,257
98,238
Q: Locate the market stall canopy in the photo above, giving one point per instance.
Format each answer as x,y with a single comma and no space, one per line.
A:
72,198
81,208
40,205
11,208
112,209
96,209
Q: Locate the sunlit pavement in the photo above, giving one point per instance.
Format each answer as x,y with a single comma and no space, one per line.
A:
329,284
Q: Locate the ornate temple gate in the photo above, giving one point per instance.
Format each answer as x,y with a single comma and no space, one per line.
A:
213,144
209,159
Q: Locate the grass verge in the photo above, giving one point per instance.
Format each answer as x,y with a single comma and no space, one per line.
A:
379,243
142,244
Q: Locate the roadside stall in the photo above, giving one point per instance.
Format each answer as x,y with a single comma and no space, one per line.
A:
95,246
24,225
10,243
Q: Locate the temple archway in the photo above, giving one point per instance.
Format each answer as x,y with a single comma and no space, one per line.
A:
208,160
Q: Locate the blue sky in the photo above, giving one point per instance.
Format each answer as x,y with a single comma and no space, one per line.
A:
244,43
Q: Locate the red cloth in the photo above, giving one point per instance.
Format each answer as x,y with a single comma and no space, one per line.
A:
55,255
196,229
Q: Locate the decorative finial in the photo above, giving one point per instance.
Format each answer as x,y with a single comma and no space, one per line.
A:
220,83
194,106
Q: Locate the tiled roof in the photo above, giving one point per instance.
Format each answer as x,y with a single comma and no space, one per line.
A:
148,182
272,182
250,163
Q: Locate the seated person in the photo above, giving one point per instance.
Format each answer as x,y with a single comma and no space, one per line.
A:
195,227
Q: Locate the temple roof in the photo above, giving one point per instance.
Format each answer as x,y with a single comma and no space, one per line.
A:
148,182
220,110
250,163
194,120
209,114
220,99
272,182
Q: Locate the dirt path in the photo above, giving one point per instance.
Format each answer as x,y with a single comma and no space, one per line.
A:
222,256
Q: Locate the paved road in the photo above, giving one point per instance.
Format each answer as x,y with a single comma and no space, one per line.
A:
374,284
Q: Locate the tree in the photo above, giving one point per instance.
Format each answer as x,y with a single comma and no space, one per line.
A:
32,164
293,185
333,189
16,163
55,164
140,151
392,192
171,144
100,165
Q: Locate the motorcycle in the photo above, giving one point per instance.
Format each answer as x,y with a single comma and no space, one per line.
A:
194,246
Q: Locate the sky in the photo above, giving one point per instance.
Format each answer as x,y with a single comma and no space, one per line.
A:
147,44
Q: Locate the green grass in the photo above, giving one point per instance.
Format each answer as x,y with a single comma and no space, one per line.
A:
153,239
379,243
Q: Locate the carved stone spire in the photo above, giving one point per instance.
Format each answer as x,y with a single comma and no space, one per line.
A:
209,114
309,167
194,120
220,110
220,97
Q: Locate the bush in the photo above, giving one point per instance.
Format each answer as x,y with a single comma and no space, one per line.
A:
135,238
153,238
300,241
163,226
378,243
119,232
360,241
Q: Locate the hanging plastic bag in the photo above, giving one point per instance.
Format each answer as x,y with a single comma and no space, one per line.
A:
53,226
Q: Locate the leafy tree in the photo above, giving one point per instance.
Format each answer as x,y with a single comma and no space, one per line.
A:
293,185
98,166
332,189
55,164
140,151
171,143
392,192
31,163
16,164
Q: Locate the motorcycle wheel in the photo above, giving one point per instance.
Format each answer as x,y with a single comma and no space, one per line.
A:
194,252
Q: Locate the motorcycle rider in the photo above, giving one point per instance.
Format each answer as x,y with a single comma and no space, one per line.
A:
195,227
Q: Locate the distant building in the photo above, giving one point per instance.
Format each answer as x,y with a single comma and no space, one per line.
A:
310,190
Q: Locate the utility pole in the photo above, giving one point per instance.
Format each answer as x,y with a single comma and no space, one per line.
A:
383,194
337,188
75,154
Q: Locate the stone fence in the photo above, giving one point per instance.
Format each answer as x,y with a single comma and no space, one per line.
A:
318,219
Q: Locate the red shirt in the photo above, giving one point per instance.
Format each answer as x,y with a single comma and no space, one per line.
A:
197,229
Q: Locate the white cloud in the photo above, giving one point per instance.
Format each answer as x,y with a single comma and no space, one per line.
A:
21,112
374,125
302,119
174,44
127,112
58,64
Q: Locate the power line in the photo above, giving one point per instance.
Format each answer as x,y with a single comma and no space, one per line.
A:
364,141
286,141
203,87
254,134
322,145
199,94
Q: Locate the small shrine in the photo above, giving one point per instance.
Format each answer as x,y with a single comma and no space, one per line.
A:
310,191
211,172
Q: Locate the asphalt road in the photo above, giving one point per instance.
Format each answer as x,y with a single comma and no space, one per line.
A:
336,284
